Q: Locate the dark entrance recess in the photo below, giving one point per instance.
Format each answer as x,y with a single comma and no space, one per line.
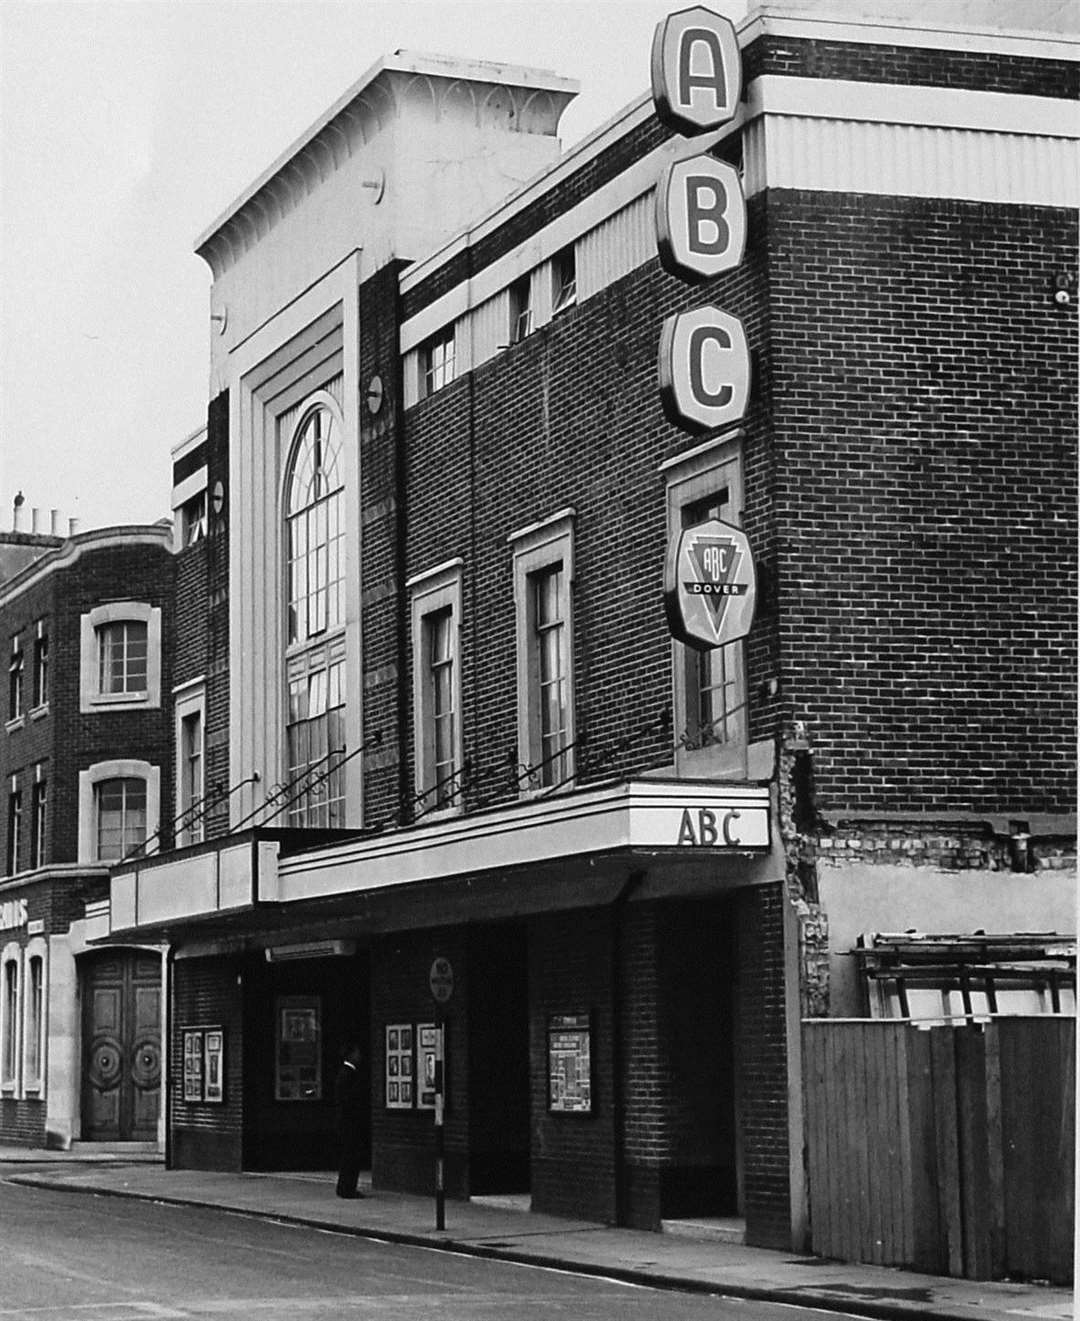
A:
697,959
298,1015
121,1071
498,1061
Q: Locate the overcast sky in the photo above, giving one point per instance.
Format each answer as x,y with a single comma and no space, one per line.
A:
128,126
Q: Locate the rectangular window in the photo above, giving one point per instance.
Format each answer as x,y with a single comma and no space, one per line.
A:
521,315
14,839
440,682
35,1020
191,779
41,669
437,357
122,657
15,682
38,837
315,738
563,280
710,726
436,615
9,1023
120,813
543,573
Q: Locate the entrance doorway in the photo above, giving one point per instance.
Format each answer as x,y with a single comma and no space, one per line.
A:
121,1065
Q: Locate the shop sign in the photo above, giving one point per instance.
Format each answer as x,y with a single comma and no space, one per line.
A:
704,369
13,914
710,588
696,70
441,980
700,218
733,828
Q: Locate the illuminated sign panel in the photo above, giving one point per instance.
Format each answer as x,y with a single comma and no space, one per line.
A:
696,70
710,588
700,218
704,369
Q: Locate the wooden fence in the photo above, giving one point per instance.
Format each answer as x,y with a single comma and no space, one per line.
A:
948,1150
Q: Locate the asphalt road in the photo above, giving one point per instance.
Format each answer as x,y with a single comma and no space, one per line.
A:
73,1257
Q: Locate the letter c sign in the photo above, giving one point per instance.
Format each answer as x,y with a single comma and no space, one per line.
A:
704,369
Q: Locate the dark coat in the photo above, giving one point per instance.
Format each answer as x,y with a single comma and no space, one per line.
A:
351,1101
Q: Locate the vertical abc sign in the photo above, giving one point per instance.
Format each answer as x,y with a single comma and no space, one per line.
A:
696,71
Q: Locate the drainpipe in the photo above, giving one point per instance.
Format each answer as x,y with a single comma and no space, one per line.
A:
166,1080
618,1090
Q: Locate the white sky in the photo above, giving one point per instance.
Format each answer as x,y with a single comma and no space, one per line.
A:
126,128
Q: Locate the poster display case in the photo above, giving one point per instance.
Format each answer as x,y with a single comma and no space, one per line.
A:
569,1043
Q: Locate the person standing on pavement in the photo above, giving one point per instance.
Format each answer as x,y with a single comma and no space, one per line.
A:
349,1098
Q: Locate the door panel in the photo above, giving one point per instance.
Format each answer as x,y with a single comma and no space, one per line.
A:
122,1047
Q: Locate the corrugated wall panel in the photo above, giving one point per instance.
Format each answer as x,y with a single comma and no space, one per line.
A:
616,247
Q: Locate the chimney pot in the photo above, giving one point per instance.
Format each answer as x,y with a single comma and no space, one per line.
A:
17,511
73,526
35,520
54,522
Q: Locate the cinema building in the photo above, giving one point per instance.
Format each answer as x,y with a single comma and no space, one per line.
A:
87,779
458,768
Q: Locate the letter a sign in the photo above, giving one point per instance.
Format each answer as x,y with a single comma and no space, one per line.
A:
696,71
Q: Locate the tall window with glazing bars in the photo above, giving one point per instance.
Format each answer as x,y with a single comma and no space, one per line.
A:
315,657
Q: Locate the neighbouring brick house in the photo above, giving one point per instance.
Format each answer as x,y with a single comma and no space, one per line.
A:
464,753
85,759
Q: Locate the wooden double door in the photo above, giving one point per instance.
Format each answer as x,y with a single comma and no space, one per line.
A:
121,1064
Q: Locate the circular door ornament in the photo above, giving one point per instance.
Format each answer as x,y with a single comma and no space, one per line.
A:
106,1063
146,1063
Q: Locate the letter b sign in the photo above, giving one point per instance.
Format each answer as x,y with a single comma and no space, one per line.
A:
700,218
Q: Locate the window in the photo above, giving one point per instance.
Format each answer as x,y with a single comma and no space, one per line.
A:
9,1024
543,573
120,817
436,614
122,653
120,661
193,519
315,527
15,682
315,738
437,362
35,1023
521,314
119,802
315,656
14,860
710,686
41,668
563,280
38,837
191,777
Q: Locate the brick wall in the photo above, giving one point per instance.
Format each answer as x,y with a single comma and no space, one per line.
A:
924,399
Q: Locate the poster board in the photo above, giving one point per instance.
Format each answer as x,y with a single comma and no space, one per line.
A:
569,1043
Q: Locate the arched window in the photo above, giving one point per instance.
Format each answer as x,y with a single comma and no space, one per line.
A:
315,535
315,662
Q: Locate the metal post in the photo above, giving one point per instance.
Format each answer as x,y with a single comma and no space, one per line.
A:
440,1134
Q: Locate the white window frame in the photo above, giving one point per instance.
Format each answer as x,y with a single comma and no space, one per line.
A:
13,842
435,374
123,769
16,710
563,293
521,311
538,547
189,700
91,698
34,1083
690,478
431,592
39,679
39,843
10,1020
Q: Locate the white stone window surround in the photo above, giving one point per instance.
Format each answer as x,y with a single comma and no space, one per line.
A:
90,696
10,1019
537,547
430,592
689,478
121,769
189,699
33,1084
